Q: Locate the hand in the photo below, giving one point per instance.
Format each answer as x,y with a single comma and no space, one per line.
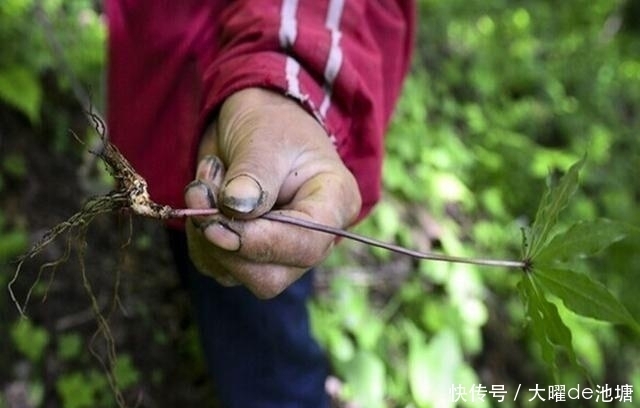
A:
277,157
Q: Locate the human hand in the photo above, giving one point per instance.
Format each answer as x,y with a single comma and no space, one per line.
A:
277,157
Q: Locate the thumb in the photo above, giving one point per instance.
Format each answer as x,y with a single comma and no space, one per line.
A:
263,138
256,172
244,194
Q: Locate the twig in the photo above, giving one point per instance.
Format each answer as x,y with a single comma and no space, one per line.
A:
278,217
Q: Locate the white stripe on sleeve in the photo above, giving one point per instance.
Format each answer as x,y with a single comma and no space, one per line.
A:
288,23
334,61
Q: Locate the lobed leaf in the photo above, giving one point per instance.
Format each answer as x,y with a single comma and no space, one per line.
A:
584,238
584,296
548,328
553,201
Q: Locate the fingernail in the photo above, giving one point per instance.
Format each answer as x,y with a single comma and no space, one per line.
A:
197,184
242,194
221,235
209,168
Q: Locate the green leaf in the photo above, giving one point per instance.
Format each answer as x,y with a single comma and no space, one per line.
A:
582,239
125,372
12,243
366,377
584,296
339,344
433,367
76,391
548,328
69,346
20,88
553,201
29,339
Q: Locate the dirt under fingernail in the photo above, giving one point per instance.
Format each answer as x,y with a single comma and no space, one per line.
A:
243,194
210,168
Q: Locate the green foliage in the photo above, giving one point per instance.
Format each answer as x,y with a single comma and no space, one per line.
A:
428,368
579,292
125,372
546,324
584,238
79,390
34,396
29,339
433,367
21,89
584,296
553,202
27,52
14,166
70,346
13,237
503,97
12,243
365,374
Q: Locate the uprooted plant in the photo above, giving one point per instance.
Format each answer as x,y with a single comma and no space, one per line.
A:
131,193
545,260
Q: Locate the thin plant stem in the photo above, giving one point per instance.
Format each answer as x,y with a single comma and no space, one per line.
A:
278,217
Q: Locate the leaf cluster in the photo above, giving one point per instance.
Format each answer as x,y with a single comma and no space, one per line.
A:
28,54
549,273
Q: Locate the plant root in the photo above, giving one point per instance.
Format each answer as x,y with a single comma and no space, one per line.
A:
80,220
131,193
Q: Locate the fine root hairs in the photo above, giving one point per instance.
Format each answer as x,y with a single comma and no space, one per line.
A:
108,358
131,194
76,223
102,344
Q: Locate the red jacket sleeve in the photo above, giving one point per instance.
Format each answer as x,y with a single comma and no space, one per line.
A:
344,60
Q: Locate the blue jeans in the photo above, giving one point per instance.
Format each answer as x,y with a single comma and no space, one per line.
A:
260,353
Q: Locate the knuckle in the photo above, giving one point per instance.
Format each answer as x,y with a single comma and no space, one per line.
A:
310,258
268,291
273,282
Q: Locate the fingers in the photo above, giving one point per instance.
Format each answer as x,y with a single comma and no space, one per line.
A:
202,193
267,256
264,268
204,259
272,255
